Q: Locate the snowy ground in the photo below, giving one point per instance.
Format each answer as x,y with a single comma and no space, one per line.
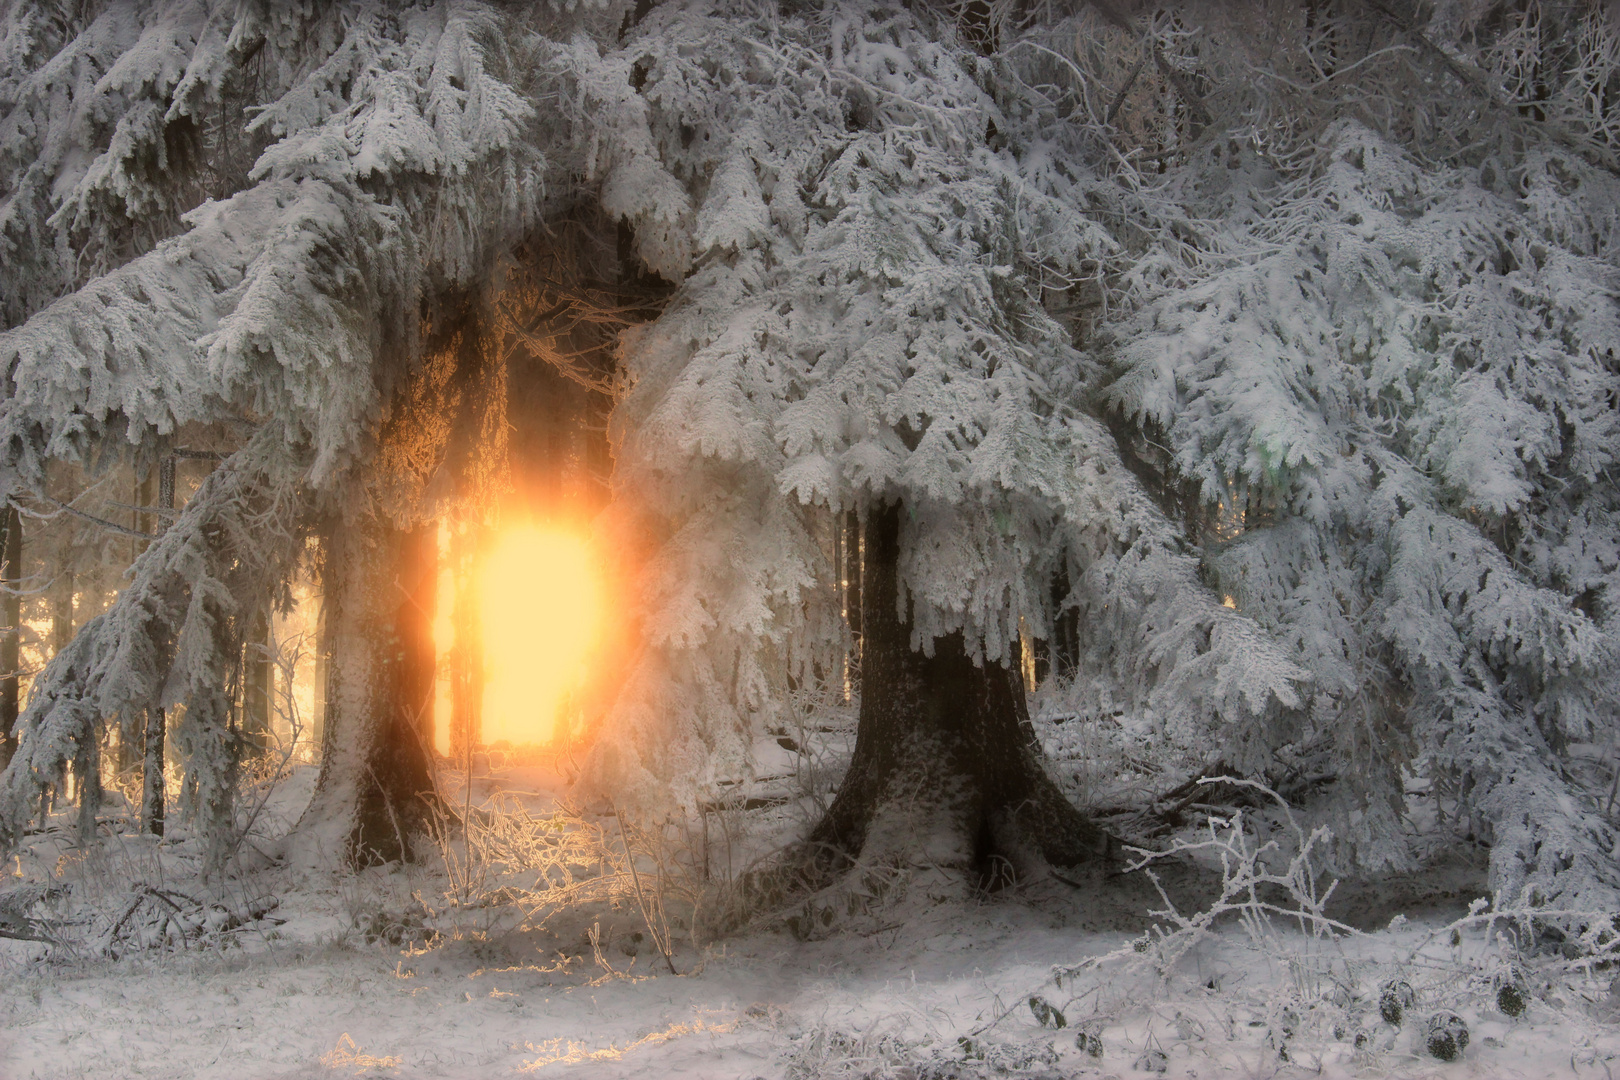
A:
942,991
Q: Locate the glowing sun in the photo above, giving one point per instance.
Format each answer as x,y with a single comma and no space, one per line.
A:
540,607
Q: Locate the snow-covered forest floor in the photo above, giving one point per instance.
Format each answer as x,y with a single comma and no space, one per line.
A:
278,974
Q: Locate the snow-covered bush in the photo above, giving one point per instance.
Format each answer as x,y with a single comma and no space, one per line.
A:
119,899
1387,370
1318,981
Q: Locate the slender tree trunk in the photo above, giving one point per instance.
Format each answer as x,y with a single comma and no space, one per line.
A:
61,637
1059,655
853,562
946,768
467,654
157,720
87,780
131,728
376,784
1065,629
317,722
152,781
258,686
62,604
11,635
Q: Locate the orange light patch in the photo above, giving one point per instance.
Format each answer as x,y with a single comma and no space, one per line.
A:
444,636
540,607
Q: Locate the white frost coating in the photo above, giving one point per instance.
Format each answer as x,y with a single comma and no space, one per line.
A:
864,322
1392,370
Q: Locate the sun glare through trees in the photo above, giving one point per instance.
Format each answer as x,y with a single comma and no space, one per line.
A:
539,613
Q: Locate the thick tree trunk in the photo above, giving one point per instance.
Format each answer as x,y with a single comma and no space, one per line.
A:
946,769
375,792
417,595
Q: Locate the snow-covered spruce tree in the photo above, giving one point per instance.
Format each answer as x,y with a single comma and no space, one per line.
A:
1382,344
868,216
233,217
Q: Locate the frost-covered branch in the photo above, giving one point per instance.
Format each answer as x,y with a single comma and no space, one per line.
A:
171,638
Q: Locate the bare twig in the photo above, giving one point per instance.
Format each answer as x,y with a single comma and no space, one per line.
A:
660,941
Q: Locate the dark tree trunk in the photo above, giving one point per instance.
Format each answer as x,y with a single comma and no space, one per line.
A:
157,720
62,604
417,594
946,768
152,781
852,576
10,636
86,787
131,729
1059,656
375,792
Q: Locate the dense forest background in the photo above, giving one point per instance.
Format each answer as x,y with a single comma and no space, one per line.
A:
1245,375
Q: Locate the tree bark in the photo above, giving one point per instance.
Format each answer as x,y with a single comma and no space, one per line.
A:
946,768
157,719
62,603
417,588
853,561
89,753
258,687
131,729
10,642
1059,655
375,793
317,722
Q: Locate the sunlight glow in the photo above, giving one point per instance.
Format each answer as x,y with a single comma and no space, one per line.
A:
444,637
540,607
